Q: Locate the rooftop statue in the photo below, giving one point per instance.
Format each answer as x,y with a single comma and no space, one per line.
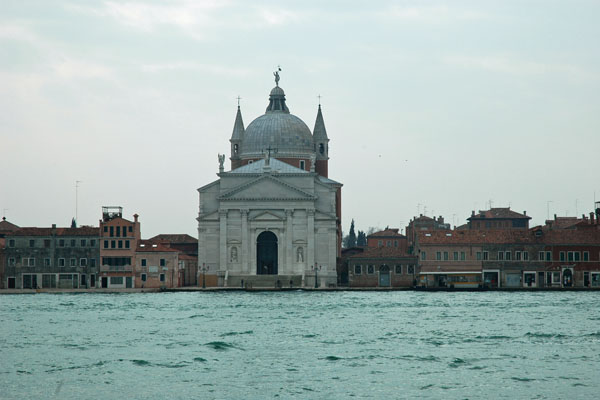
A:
276,73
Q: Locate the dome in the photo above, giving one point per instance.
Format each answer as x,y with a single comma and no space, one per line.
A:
278,130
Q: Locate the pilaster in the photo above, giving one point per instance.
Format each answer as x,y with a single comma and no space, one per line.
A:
289,250
222,240
245,242
310,258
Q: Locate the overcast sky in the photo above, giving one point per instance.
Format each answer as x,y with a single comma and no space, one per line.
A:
431,106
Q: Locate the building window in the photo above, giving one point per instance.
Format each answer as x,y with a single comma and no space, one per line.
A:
143,277
370,269
562,256
47,262
112,231
478,256
438,255
357,270
32,243
92,243
410,269
556,277
570,256
163,262
423,255
83,262
61,243
119,231
507,256
46,242
517,256
455,254
92,262
302,164
525,256
11,243
29,262
106,244
395,243
116,280
463,256
548,256
399,269
105,229
113,244
541,255
83,243
73,242
586,256
61,262
120,244
73,262
130,229
500,256
143,262
379,243
11,262
577,256
127,244
486,256
162,277
445,256
389,243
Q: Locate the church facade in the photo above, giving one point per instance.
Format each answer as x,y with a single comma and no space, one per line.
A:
274,219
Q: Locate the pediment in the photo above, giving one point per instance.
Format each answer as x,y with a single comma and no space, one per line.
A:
212,216
267,216
266,188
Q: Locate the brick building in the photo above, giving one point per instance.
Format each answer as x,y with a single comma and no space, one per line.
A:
119,240
382,267
52,257
156,266
498,218
187,247
5,228
389,237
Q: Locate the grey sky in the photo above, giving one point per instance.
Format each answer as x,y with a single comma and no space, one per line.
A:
447,104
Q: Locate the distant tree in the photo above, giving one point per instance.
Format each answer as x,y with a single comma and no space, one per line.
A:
351,238
372,230
361,239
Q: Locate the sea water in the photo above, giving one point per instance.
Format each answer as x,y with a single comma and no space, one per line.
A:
313,345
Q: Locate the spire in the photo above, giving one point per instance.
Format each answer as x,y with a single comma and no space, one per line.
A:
238,126
320,133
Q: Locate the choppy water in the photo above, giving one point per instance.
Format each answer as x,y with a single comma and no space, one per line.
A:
299,344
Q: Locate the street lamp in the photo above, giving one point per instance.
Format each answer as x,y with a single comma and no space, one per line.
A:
204,269
316,269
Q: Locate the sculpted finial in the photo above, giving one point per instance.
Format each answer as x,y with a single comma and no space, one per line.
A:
221,162
276,73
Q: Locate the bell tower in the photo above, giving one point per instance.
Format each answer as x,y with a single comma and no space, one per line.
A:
321,145
237,136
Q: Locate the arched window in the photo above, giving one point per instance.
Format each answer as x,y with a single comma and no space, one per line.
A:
235,149
321,148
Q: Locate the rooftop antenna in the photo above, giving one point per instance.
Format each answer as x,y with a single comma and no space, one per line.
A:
576,207
419,208
548,209
4,210
238,99
319,97
77,200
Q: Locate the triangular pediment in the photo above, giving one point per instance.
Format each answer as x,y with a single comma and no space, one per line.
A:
267,216
266,188
212,216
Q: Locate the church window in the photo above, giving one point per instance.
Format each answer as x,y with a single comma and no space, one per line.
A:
370,269
321,148
235,149
302,164
357,270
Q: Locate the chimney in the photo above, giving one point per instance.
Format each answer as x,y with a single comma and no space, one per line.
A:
524,212
441,219
592,218
135,217
473,213
555,217
53,229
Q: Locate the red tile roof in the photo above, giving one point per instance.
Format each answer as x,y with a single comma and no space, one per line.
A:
147,246
498,213
390,232
585,236
6,226
174,238
33,231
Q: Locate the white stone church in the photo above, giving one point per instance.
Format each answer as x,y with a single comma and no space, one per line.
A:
274,219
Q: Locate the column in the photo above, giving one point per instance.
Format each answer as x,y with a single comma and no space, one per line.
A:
222,240
289,268
310,254
245,244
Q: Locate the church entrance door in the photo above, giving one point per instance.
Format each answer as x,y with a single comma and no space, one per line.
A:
266,254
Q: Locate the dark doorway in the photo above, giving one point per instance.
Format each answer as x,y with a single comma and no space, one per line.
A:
567,277
11,282
266,254
128,282
92,280
384,276
104,282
